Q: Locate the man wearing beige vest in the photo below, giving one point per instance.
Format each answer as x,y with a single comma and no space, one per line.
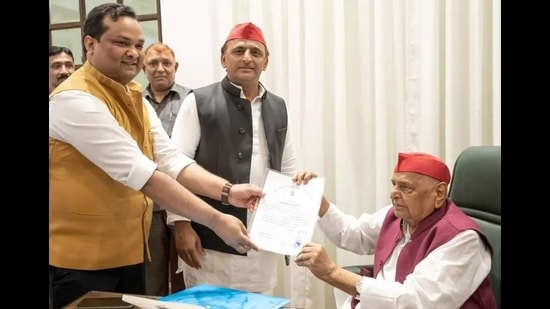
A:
109,159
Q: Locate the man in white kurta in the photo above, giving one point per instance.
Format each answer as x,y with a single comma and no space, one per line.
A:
244,101
427,252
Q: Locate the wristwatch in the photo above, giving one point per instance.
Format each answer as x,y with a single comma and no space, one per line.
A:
225,193
358,288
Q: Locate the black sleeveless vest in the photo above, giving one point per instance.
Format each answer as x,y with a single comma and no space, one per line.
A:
225,146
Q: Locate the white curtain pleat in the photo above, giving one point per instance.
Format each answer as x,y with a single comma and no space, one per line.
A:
363,79
495,75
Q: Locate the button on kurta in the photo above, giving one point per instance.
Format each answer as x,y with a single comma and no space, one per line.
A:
240,155
242,131
240,107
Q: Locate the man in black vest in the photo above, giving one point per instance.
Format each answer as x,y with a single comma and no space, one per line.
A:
236,129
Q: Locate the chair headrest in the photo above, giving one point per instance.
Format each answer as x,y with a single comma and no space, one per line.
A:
475,185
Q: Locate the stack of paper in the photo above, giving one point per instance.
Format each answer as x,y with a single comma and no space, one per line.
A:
216,297
206,296
287,214
149,303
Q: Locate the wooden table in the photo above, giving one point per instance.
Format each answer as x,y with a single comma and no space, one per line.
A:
93,294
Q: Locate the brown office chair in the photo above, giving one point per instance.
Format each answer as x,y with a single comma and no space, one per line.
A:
475,188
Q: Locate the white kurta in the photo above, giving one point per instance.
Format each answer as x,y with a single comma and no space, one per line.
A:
256,272
456,268
87,124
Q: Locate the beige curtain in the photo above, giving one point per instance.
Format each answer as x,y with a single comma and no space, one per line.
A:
364,79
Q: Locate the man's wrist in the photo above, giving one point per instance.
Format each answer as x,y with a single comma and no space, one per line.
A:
181,222
225,193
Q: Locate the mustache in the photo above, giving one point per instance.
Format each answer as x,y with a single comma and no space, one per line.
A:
63,75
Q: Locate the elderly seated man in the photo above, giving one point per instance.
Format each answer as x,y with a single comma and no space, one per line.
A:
427,252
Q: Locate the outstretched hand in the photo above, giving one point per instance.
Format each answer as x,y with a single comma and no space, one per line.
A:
303,177
245,195
234,233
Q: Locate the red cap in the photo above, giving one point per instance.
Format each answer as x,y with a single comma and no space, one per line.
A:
423,163
247,31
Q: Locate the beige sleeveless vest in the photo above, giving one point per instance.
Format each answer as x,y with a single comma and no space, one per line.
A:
95,221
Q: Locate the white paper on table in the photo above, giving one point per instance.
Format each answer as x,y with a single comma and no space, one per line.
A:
148,303
286,216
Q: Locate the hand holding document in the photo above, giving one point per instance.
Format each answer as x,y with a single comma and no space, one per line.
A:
286,216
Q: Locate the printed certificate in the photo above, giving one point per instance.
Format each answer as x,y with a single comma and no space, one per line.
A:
286,216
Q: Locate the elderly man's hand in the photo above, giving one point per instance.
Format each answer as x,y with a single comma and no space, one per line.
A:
314,257
303,177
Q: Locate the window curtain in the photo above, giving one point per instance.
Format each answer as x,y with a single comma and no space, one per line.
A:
363,80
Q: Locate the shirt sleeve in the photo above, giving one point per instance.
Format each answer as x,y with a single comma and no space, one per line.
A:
288,163
357,235
448,276
83,121
169,158
185,136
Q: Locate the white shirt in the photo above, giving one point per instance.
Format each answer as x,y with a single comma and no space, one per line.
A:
256,272
85,122
455,268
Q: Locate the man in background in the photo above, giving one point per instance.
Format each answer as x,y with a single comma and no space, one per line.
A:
165,96
61,65
237,129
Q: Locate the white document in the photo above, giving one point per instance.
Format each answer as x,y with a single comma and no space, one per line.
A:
148,303
286,216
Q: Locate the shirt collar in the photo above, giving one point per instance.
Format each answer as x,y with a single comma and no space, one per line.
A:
260,93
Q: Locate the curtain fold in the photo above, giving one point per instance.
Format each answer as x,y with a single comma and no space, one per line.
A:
363,80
